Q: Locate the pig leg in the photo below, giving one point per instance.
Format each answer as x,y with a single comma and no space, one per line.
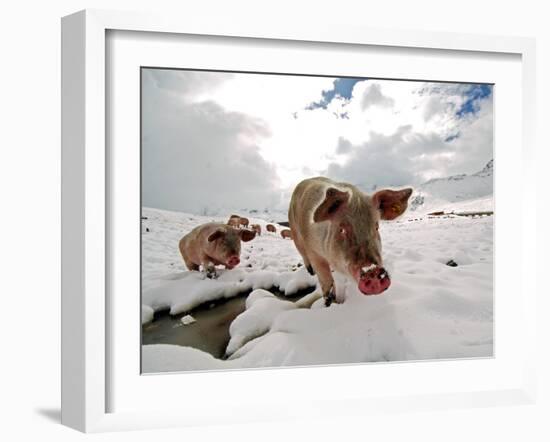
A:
324,275
302,252
189,264
208,267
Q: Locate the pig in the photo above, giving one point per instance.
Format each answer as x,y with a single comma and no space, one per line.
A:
257,228
286,233
270,228
335,227
234,221
213,244
244,222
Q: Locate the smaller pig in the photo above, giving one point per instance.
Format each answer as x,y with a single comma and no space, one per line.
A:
270,228
213,244
257,228
286,233
244,222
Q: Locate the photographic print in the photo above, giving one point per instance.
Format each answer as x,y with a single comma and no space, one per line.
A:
299,220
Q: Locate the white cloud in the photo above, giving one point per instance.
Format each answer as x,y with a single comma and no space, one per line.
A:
373,97
197,156
416,134
245,140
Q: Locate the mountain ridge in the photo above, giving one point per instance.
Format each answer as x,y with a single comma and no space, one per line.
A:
437,193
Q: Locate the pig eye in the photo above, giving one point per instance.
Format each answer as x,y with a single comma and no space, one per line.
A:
377,225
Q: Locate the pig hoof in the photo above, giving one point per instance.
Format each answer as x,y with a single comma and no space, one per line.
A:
329,298
211,274
310,270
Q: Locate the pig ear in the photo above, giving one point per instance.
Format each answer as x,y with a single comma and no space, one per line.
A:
215,235
247,235
334,201
391,203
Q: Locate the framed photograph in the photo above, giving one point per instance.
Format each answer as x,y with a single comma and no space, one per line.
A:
254,218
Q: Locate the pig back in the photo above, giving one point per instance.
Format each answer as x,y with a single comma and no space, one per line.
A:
307,196
195,243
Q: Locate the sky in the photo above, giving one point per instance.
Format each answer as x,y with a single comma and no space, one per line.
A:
214,141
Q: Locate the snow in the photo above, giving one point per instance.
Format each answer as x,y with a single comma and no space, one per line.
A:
262,307
430,311
147,314
266,262
175,358
368,268
188,319
455,193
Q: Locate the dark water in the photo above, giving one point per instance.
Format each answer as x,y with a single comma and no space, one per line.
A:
210,332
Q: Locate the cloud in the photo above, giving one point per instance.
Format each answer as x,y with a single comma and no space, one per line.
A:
197,156
185,83
473,147
373,97
245,140
380,162
344,146
421,131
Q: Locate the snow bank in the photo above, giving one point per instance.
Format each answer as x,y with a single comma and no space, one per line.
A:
262,307
193,288
147,314
161,357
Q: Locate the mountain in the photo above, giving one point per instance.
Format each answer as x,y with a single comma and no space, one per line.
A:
456,192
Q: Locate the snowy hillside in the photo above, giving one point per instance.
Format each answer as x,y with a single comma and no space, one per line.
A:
459,192
432,310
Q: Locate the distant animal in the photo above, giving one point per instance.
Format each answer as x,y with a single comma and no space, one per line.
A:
335,227
270,228
257,228
213,244
234,221
244,222
286,233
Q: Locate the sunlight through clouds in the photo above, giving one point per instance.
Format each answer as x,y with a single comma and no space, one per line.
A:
256,136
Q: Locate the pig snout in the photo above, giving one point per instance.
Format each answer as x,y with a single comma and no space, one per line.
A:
233,261
374,281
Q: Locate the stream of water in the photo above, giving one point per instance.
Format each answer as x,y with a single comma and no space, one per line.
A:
210,332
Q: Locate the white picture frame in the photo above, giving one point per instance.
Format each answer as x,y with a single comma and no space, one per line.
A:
85,210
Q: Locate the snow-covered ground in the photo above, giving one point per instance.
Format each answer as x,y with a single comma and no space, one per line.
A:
456,193
430,311
267,261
